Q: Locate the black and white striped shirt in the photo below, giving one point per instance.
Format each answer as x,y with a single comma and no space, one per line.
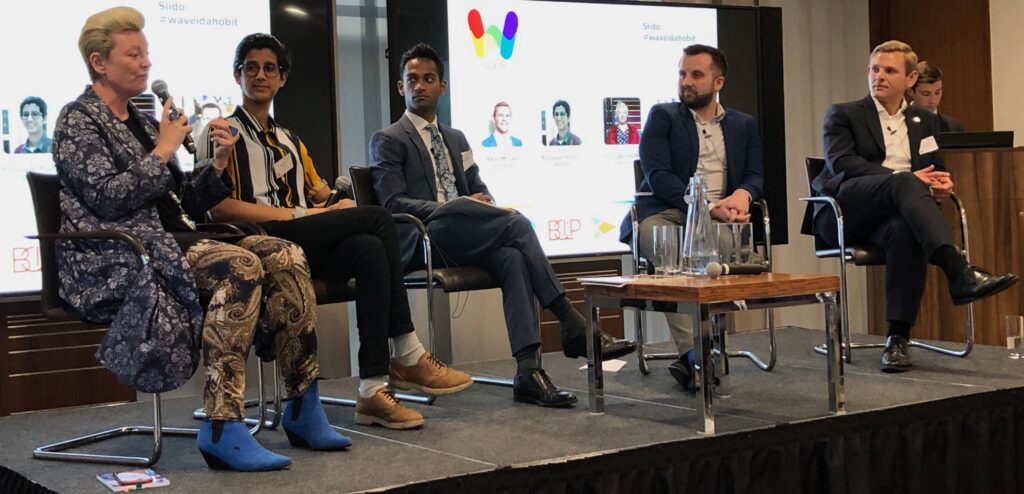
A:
268,166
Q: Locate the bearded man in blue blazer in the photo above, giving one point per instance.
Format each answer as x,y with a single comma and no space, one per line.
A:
680,138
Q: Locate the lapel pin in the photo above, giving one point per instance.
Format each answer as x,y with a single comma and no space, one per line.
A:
916,119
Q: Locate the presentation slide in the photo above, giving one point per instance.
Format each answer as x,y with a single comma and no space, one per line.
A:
191,47
553,96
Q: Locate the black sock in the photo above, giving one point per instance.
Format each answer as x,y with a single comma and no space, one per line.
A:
572,322
527,359
899,328
950,260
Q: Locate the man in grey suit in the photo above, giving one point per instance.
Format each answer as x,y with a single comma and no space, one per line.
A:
419,165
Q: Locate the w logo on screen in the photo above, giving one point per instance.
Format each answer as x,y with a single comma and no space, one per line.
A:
504,39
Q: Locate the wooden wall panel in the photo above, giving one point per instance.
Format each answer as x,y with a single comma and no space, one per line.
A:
46,364
953,35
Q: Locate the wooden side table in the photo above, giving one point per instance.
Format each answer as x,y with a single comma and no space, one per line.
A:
700,297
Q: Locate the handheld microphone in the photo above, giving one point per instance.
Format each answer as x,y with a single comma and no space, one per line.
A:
715,269
159,88
342,190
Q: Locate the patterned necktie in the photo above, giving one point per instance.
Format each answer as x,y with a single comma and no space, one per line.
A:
444,175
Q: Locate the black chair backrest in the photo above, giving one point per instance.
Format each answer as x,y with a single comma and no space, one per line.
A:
45,190
813,167
362,186
638,175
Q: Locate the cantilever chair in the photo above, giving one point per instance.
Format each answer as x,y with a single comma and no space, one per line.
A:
870,255
45,198
445,280
641,265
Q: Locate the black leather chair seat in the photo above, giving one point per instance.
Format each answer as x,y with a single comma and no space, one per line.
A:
332,292
862,255
455,279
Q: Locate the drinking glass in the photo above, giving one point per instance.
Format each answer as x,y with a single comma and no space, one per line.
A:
1013,329
667,243
735,243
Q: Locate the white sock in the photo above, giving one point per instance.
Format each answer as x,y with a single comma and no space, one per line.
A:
406,349
368,387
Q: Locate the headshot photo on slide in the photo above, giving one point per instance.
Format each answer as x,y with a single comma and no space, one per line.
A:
621,121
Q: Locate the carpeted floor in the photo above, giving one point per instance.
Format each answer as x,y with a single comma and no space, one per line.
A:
482,429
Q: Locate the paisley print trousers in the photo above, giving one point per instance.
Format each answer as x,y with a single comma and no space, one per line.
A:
262,297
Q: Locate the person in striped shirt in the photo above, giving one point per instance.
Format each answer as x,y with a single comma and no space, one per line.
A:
276,185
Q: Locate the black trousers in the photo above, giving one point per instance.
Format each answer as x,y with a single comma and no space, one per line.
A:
507,247
897,213
362,243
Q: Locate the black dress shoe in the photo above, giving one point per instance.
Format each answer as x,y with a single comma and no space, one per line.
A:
684,374
974,284
896,357
536,387
611,347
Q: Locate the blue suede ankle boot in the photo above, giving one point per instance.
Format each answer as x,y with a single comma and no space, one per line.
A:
227,445
306,424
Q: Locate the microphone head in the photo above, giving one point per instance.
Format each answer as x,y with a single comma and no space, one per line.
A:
714,269
159,88
343,183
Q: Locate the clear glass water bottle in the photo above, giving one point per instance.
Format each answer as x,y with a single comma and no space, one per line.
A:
700,241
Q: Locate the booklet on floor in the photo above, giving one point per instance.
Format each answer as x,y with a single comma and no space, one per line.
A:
133,480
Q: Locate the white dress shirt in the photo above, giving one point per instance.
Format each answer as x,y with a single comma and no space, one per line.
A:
712,159
894,132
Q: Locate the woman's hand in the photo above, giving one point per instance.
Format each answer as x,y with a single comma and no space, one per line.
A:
224,137
172,133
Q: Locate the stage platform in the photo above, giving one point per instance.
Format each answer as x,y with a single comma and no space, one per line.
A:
957,424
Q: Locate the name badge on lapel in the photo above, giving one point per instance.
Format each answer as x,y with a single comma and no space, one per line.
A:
467,159
928,145
283,165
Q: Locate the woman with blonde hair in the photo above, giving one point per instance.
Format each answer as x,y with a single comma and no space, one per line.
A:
118,172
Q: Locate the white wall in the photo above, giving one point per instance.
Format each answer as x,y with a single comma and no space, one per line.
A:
825,49
1007,66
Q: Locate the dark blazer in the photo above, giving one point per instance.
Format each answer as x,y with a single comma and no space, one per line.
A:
404,177
669,150
110,182
949,124
854,147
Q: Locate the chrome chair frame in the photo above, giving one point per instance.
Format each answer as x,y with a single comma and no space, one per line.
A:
813,166
640,318
430,279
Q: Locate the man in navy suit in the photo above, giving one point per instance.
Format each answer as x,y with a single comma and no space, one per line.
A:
418,166
680,138
884,168
927,94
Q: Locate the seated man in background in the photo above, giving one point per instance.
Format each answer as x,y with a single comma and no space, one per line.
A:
273,180
418,165
927,93
680,138
884,168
